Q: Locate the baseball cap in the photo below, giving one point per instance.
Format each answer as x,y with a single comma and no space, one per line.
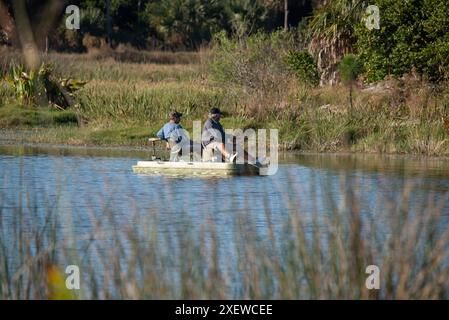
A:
214,111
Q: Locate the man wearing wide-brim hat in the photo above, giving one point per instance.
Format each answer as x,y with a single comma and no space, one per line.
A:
172,133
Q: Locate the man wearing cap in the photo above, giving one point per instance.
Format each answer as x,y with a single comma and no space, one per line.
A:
172,134
213,137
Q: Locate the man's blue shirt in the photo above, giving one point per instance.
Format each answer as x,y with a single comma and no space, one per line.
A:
169,131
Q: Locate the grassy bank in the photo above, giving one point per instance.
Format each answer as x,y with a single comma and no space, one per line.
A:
127,99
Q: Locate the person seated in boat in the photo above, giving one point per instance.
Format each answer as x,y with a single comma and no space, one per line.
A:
213,138
173,134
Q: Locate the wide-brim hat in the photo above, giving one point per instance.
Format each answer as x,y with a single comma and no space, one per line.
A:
175,114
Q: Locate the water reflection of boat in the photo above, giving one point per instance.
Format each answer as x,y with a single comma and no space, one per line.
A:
196,168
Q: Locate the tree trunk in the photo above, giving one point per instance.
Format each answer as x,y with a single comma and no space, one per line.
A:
26,37
286,15
350,96
108,23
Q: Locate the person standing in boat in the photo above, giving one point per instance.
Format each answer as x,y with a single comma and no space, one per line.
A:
173,134
213,137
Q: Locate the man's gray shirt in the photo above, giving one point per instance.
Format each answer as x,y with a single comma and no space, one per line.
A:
212,131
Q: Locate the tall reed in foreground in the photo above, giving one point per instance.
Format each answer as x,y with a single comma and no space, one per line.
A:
316,254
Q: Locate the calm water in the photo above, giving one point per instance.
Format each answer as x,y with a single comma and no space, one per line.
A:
79,183
94,193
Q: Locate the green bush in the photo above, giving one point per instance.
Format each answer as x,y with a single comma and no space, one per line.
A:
31,86
350,67
412,36
303,66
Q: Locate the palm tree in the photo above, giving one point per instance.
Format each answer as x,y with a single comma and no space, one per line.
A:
331,34
279,5
246,16
350,68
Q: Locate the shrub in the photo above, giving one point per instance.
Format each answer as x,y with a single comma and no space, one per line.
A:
30,87
350,67
91,42
303,66
412,35
256,62
24,84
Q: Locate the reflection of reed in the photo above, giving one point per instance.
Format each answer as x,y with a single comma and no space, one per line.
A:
389,164
239,249
84,151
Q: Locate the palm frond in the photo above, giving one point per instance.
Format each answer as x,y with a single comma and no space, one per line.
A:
331,34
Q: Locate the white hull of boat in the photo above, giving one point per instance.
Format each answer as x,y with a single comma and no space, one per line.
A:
195,168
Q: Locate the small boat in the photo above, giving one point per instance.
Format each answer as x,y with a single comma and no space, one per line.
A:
199,168
196,168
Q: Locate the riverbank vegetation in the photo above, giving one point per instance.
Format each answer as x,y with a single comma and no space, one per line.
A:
123,103
261,76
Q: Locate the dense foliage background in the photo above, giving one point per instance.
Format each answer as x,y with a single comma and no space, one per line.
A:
163,24
412,37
